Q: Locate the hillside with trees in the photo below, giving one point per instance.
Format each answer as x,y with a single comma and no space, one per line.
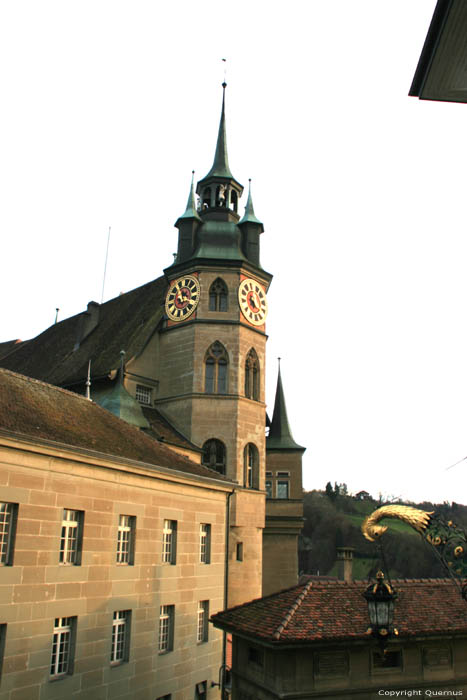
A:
333,519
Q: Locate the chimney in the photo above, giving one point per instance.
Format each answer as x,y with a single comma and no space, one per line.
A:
88,320
344,563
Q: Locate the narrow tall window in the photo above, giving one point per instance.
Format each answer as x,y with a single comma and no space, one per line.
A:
203,617
8,513
251,462
169,542
72,537
218,295
214,455
126,539
3,628
63,647
166,628
268,487
121,624
205,543
215,364
252,376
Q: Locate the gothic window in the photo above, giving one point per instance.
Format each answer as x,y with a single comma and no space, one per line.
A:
252,376
251,464
218,295
214,455
216,363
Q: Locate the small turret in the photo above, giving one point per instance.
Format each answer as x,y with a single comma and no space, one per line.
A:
280,435
187,224
251,228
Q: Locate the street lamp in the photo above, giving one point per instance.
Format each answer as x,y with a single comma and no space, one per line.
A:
380,597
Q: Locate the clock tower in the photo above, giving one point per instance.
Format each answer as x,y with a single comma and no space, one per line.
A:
212,351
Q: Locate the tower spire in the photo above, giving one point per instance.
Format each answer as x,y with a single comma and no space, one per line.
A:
220,166
280,435
249,215
190,211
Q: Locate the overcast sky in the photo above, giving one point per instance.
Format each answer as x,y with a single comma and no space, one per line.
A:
107,106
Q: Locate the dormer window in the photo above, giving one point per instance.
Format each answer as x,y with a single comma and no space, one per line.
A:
143,394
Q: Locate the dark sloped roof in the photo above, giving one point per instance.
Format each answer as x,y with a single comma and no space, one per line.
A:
125,323
38,410
8,346
280,435
162,430
336,611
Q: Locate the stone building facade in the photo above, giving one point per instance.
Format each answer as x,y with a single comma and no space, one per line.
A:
180,362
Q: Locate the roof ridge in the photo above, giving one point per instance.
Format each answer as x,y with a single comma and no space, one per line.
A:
292,610
33,380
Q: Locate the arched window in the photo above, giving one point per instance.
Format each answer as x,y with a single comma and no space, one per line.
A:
252,376
207,198
214,455
233,200
218,295
251,466
216,363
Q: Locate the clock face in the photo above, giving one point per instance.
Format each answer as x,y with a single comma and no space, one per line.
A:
253,303
182,298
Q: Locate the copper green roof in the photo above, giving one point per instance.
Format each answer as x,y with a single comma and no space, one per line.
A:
249,215
220,166
119,402
280,435
190,211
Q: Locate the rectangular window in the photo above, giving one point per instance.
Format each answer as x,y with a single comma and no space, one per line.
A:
203,618
283,474
8,515
144,394
437,656
3,629
282,489
166,628
169,542
256,656
201,690
205,543
63,647
268,487
72,537
239,551
331,663
390,659
121,626
126,539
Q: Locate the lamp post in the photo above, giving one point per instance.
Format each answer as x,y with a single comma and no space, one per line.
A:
380,597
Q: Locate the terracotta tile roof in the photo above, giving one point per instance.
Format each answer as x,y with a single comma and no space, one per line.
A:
336,611
125,323
38,410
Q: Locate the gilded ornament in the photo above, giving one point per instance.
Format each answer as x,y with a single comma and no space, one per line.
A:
418,519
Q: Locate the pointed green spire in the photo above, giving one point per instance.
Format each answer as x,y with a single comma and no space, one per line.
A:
190,211
220,166
249,215
280,435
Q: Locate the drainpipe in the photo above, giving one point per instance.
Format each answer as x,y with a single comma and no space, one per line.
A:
226,590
